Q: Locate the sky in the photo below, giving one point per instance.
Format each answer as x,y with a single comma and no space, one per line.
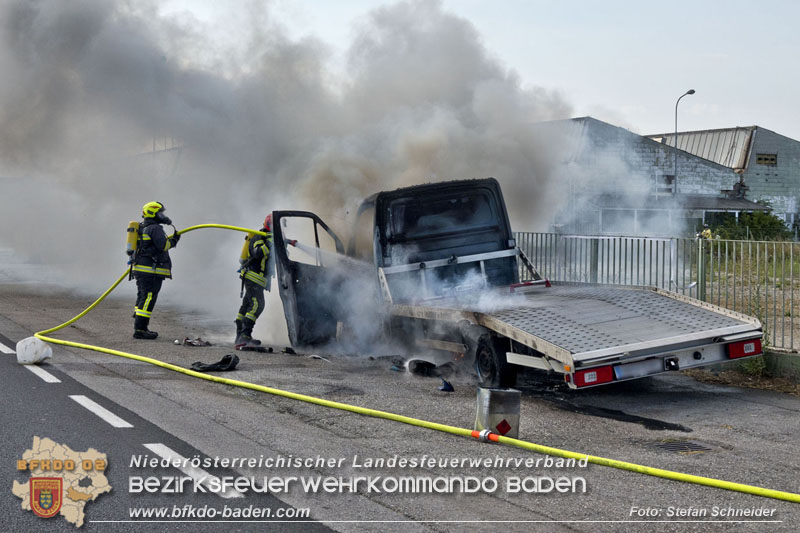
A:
622,61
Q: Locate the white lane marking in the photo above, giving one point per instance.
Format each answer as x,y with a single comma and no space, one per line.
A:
101,411
42,373
6,349
198,474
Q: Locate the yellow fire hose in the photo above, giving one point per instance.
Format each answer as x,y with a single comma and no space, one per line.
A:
483,435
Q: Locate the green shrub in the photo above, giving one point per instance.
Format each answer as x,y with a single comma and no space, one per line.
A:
757,226
753,366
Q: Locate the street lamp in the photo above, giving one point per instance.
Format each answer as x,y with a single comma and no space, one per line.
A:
675,169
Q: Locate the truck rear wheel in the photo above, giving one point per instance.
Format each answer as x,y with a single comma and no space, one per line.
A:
491,366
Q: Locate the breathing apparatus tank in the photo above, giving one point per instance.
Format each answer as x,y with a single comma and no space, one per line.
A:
133,238
245,255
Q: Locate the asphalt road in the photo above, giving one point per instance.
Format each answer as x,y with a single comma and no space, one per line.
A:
46,404
744,436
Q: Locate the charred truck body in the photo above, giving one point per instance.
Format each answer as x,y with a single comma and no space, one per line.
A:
444,272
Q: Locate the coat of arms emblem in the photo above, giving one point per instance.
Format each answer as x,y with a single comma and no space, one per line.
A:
46,495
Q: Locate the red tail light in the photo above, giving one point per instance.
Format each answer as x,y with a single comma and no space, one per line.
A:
744,348
593,376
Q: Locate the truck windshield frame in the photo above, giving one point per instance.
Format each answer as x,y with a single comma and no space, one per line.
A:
441,215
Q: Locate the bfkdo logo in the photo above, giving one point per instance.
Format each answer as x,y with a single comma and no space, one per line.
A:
62,481
46,495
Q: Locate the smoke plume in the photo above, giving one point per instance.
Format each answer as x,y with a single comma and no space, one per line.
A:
107,105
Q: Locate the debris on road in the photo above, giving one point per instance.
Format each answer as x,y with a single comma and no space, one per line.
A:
192,342
228,362
446,386
253,348
419,367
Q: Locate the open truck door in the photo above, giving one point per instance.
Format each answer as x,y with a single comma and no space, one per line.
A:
312,277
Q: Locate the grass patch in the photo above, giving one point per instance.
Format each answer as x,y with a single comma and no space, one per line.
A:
736,378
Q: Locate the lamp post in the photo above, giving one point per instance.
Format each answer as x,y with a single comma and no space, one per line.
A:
675,169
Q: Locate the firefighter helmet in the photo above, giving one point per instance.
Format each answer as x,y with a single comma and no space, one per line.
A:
268,222
151,209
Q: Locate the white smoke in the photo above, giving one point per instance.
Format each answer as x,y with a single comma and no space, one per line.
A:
234,132
599,165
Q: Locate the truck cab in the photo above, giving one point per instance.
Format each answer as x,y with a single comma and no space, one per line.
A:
436,239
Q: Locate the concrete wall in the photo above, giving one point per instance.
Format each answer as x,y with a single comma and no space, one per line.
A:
626,159
784,365
778,184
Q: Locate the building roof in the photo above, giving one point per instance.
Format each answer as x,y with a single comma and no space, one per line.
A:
728,147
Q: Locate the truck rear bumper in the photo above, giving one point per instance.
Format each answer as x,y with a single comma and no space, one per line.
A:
589,375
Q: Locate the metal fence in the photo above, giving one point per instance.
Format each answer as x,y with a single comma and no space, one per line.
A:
757,278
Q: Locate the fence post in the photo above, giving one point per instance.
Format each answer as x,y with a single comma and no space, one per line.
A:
673,265
701,269
595,254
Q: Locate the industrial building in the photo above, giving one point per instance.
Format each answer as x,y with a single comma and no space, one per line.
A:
616,181
767,163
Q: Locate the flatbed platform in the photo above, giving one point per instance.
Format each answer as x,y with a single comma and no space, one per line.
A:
580,323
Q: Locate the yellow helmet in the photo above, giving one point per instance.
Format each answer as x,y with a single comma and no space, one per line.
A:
151,209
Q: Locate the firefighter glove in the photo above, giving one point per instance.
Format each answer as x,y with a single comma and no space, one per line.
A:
174,238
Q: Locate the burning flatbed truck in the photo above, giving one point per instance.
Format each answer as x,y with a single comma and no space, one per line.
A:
444,272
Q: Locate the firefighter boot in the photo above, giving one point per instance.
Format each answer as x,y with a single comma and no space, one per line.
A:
140,330
238,323
245,336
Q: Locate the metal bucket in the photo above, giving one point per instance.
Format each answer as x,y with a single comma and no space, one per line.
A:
498,411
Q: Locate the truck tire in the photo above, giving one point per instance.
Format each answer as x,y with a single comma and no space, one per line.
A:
491,366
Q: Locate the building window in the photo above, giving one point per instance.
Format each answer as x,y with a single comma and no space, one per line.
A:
767,159
665,183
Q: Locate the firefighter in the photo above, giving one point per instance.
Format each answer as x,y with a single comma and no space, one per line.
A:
256,273
706,233
151,265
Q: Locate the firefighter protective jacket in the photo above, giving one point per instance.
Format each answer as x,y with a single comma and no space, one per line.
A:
258,267
152,255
